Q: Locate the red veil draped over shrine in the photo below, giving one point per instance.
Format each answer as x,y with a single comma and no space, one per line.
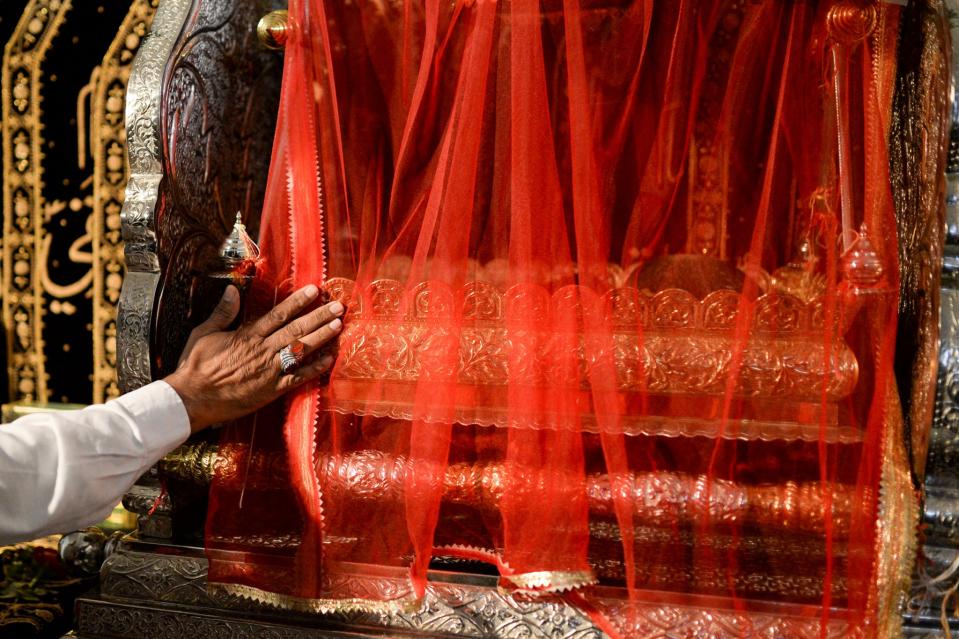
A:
621,279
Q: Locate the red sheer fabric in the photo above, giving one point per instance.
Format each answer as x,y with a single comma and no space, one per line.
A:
621,279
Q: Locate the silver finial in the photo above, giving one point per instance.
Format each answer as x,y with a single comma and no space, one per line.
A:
238,246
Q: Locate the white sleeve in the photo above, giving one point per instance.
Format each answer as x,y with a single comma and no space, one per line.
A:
61,471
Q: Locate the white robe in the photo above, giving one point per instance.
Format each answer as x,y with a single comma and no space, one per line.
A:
61,471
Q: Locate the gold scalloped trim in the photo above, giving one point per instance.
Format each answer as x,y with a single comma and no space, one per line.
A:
673,427
316,606
898,508
551,581
898,524
474,553
896,544
539,582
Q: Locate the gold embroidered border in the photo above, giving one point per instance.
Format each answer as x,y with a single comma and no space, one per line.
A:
23,232
24,281
896,538
708,171
898,521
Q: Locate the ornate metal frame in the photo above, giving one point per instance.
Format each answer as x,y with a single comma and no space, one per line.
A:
940,516
144,592
201,107
138,217
167,224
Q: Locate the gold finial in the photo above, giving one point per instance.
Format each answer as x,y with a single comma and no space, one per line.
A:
800,277
273,29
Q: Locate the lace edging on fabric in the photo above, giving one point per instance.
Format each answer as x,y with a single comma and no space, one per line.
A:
315,606
550,581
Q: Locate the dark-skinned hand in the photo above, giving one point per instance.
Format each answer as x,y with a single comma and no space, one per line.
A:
223,375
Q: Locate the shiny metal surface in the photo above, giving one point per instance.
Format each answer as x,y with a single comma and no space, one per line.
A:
934,574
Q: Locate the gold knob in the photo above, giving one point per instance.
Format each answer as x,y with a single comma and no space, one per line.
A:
273,29
851,21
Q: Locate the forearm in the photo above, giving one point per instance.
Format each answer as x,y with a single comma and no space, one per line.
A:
61,471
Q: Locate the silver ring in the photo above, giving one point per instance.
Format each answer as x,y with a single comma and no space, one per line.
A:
290,357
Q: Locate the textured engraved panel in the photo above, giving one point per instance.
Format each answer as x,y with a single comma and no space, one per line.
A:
943,465
217,122
154,577
933,577
108,147
201,111
917,149
941,515
133,328
460,610
391,343
97,619
456,606
144,95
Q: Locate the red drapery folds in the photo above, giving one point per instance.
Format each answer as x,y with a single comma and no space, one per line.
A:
621,279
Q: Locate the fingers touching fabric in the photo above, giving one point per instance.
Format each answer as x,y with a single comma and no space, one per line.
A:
223,375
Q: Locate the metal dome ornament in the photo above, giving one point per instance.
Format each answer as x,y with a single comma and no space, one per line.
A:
238,255
238,247
800,277
861,264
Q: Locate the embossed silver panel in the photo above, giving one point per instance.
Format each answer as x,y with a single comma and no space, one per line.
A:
941,507
100,619
171,589
144,96
942,468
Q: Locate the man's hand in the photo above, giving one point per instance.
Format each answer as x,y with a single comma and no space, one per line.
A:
224,375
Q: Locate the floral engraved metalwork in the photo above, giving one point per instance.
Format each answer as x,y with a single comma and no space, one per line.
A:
144,143
918,153
944,440
98,619
921,171
218,117
660,498
153,577
455,605
667,344
703,622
